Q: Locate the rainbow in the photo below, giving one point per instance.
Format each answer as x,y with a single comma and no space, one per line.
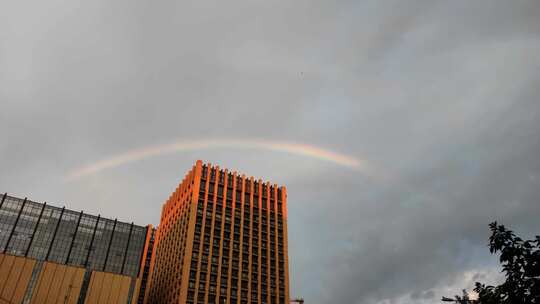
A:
280,146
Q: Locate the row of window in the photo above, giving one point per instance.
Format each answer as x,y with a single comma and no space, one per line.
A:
231,179
215,299
231,255
265,203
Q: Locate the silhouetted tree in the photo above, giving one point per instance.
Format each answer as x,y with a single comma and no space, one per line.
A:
461,300
521,265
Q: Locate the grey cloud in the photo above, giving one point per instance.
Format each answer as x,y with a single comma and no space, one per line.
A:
427,295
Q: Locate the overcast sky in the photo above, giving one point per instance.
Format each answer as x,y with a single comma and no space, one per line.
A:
438,99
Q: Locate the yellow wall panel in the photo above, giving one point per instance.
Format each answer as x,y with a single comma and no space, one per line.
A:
24,279
115,289
5,269
124,290
106,288
54,292
68,287
63,286
13,277
77,281
94,289
91,284
43,283
58,283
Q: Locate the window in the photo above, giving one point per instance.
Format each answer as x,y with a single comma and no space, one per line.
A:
220,191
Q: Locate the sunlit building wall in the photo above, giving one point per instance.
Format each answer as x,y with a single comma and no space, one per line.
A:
222,238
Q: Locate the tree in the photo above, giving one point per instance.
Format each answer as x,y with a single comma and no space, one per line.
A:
461,300
520,261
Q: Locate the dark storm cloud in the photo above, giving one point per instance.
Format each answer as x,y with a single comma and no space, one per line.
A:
440,96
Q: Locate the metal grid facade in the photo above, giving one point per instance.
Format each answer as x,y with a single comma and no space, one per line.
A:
49,233
222,239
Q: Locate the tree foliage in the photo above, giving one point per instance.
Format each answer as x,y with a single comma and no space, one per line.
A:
520,261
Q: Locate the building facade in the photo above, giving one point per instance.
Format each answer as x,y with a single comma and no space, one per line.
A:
222,238
97,259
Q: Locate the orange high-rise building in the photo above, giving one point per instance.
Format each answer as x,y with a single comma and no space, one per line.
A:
222,238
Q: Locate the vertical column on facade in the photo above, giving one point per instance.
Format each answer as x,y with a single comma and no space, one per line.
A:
221,237
183,205
35,229
179,225
267,240
168,233
259,232
250,238
245,206
201,237
276,263
54,234
74,236
91,242
285,242
254,203
184,216
227,255
14,225
211,250
176,232
212,200
241,242
281,257
231,244
126,250
109,246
